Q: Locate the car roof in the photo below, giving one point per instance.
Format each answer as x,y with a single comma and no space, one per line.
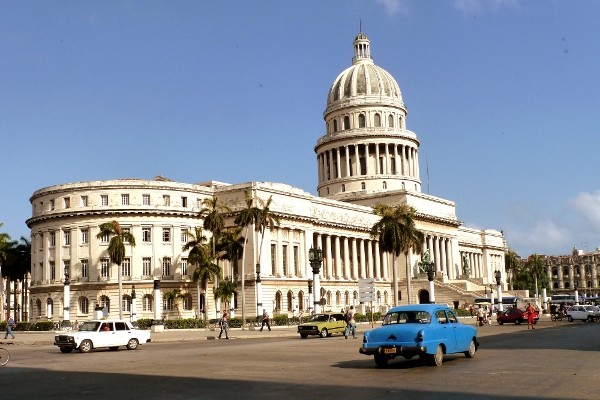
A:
430,308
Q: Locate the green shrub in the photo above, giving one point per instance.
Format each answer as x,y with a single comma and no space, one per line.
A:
143,323
280,320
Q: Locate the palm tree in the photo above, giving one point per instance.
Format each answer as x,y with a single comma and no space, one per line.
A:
536,265
396,233
265,220
116,250
212,213
196,248
512,263
230,247
173,296
6,254
206,270
225,291
247,217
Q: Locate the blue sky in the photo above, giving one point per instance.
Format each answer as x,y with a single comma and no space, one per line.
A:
504,96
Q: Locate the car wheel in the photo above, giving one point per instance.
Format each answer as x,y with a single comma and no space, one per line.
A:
518,321
472,350
66,349
380,361
324,332
500,322
570,319
114,348
304,335
85,346
132,344
438,358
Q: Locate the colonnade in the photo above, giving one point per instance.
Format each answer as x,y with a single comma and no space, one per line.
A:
475,260
441,251
381,159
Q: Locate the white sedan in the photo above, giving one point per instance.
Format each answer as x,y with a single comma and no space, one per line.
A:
582,312
102,333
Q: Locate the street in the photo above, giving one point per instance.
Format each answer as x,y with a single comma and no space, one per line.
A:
557,360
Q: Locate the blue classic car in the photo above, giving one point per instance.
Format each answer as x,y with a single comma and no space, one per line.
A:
425,330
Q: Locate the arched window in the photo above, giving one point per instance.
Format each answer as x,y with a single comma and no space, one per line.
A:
567,285
328,298
49,308
346,122
290,301
363,185
126,303
167,304
335,127
343,187
385,297
84,305
277,301
390,121
147,301
555,272
187,302
555,285
361,121
105,302
384,184
338,298
346,298
38,307
377,120
566,271
400,123
301,300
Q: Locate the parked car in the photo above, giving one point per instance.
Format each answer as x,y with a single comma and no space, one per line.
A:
101,333
516,316
426,330
323,324
582,312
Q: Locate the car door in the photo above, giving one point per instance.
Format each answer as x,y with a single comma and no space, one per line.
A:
105,336
462,334
122,333
446,331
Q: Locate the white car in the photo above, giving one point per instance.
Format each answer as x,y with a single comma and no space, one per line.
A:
582,312
102,333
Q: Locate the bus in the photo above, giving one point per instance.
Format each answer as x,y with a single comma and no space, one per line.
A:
562,298
506,301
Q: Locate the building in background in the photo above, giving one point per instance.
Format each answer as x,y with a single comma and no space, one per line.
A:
366,156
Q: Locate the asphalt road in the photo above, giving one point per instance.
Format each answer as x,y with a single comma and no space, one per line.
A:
555,361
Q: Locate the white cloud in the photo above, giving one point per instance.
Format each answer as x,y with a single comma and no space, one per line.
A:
543,237
394,6
587,205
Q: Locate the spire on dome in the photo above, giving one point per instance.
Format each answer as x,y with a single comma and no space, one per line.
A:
362,49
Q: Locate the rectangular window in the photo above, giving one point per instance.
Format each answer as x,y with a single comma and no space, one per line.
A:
166,200
126,230
52,239
184,235
85,236
284,260
67,267
166,235
166,266
103,199
84,201
183,201
167,304
42,206
146,234
124,199
52,270
126,267
273,260
184,266
85,269
104,267
51,205
67,202
104,238
147,303
146,199
146,266
66,238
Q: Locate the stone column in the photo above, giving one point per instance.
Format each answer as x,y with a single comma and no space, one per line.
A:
347,272
355,267
377,261
338,258
357,156
347,159
377,164
370,272
362,269
339,163
367,169
328,257
157,323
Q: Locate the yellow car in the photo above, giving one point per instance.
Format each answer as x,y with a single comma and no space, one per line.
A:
323,324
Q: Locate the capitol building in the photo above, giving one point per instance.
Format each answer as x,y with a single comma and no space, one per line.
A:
365,156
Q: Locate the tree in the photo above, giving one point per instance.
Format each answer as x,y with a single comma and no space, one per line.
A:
197,249
512,263
230,247
396,233
173,296
536,267
116,250
225,291
6,253
247,217
206,270
265,220
212,213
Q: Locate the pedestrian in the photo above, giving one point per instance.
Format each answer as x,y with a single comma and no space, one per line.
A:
350,323
530,311
471,310
265,320
480,316
300,314
10,324
224,324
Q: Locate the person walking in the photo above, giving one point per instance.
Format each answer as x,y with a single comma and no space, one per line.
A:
224,324
530,311
350,323
10,324
265,320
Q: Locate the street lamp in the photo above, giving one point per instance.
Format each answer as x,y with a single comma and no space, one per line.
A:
315,257
427,265
258,291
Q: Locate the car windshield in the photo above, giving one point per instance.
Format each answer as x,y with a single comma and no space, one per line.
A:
89,326
407,317
319,318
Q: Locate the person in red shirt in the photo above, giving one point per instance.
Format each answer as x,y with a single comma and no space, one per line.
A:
530,316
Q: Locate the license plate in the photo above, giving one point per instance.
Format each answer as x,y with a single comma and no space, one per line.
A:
389,350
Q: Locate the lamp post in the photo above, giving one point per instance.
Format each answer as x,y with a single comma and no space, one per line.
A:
310,297
67,300
576,294
258,292
428,266
315,257
133,316
498,276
